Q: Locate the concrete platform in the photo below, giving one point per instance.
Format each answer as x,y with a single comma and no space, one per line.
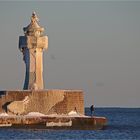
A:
52,122
51,101
57,109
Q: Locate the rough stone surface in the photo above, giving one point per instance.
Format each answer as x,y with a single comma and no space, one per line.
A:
18,107
46,122
32,45
6,97
43,101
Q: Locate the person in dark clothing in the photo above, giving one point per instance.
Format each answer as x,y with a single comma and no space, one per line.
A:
91,110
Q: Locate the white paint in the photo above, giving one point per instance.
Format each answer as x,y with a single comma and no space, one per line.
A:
72,113
50,124
75,114
4,114
99,117
5,125
35,114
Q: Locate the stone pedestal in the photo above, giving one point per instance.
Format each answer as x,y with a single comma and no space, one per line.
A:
42,101
55,107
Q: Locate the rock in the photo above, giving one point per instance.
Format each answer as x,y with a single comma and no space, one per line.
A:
18,107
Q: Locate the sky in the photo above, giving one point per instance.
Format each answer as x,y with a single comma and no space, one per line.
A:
93,46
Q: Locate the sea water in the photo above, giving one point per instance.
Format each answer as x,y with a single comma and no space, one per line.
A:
123,124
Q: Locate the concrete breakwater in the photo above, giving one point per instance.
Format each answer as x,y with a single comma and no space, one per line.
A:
59,109
53,122
21,102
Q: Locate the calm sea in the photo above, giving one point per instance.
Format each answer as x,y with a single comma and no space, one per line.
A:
123,124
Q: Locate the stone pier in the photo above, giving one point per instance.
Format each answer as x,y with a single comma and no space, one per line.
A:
44,101
50,109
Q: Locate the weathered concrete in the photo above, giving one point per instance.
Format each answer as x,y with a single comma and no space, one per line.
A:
17,104
43,101
32,45
46,122
58,102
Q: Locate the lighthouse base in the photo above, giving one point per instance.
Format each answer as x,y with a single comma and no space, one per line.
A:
43,101
53,122
46,109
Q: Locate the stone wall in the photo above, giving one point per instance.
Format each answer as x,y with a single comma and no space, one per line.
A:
6,97
43,101
48,122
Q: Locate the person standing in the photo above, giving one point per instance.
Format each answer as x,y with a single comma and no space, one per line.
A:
92,110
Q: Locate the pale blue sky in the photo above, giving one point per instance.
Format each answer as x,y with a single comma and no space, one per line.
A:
94,46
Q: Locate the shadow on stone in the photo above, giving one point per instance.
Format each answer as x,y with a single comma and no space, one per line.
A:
4,107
